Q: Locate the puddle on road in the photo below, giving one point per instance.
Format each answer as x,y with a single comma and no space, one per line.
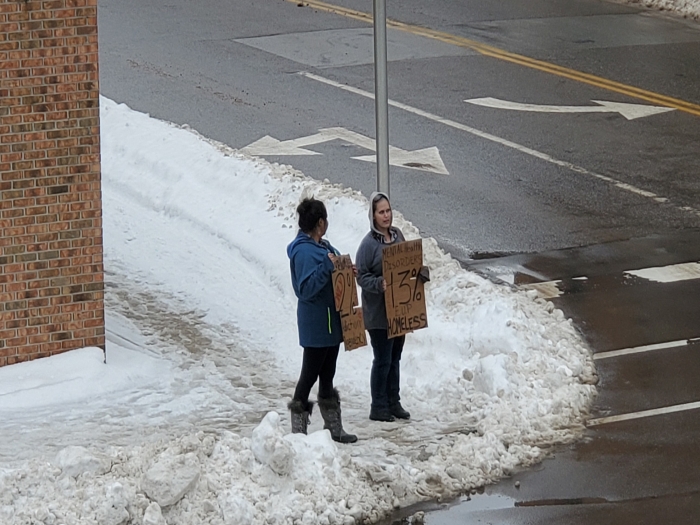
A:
468,510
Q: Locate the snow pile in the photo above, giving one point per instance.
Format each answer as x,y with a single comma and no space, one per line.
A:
186,423
686,8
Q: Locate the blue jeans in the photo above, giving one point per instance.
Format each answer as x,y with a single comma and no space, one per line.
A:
385,376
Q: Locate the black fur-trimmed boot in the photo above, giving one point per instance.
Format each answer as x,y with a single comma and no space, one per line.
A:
301,414
330,411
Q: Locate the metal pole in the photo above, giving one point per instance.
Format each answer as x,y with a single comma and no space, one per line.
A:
381,96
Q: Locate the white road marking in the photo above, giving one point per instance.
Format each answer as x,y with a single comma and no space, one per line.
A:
268,145
642,349
426,159
545,290
644,413
660,274
629,111
503,142
669,274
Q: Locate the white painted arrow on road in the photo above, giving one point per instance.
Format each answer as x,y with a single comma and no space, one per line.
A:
629,111
426,159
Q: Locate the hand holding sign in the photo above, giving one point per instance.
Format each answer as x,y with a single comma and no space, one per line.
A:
346,302
405,293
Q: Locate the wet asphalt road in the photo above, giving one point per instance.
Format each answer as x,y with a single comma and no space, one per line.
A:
632,466
518,181
575,194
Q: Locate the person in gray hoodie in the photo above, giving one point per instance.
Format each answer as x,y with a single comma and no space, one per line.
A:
385,374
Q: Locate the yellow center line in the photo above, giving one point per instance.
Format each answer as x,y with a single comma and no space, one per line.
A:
494,52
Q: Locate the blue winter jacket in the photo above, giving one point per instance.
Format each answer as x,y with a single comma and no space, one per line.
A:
317,319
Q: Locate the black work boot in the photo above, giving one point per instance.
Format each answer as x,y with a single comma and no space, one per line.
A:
381,414
301,413
399,412
330,411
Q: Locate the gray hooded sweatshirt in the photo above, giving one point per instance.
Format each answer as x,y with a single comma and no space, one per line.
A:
369,271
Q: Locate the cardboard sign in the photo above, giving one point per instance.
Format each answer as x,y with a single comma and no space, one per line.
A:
405,294
346,302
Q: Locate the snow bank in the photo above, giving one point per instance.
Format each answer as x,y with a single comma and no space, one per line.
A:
685,8
186,423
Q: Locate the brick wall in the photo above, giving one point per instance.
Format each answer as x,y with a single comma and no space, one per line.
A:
51,273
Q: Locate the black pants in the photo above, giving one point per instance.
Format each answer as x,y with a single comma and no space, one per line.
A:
318,363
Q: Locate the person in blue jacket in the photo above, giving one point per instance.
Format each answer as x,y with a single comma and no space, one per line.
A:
311,261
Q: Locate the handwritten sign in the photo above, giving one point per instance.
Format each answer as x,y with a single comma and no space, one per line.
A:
405,294
346,302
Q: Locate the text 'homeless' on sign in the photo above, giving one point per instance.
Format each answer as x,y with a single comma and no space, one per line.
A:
405,292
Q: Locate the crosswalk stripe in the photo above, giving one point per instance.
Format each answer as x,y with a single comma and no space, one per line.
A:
660,274
546,290
669,274
645,348
644,413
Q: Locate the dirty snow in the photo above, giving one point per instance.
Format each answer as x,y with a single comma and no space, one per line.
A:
186,422
685,8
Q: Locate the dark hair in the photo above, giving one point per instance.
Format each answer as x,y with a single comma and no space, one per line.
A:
310,211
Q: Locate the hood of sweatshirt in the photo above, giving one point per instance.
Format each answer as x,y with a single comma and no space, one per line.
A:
374,195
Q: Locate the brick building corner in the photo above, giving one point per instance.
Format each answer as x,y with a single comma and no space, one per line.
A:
51,265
